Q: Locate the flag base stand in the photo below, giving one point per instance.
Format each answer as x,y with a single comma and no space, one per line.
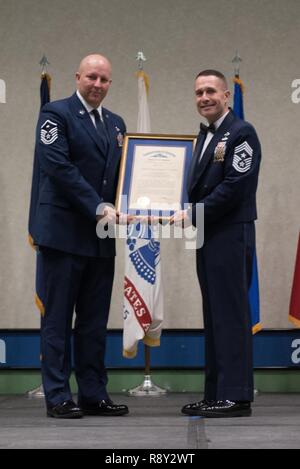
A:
37,393
147,388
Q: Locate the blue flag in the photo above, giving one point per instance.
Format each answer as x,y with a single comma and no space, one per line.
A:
238,109
40,286
45,89
45,98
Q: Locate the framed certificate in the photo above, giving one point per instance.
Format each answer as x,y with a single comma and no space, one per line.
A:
153,174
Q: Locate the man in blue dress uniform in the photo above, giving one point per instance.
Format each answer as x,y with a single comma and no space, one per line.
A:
223,176
78,144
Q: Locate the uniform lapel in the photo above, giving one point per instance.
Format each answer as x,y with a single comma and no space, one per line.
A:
110,132
200,167
195,159
82,114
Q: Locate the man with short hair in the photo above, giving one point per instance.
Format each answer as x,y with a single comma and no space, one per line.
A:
223,176
78,143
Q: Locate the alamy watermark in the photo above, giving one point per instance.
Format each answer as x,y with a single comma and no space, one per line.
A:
295,96
2,351
2,91
147,224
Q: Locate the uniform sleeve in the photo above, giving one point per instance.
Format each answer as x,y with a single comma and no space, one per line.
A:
241,166
54,159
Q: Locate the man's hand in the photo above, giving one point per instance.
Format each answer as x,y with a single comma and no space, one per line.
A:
106,215
124,219
181,219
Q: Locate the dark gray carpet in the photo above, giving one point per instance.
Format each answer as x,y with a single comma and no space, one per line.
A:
153,423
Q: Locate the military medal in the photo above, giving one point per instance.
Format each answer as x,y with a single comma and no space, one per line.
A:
220,151
120,137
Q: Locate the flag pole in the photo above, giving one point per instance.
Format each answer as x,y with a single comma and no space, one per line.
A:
147,388
236,61
240,111
38,393
147,359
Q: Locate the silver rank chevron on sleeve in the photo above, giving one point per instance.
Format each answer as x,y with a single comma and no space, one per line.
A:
49,132
242,158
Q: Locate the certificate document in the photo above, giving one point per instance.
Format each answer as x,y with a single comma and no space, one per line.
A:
156,179
153,173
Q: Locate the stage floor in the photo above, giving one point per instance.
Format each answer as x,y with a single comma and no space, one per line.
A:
153,423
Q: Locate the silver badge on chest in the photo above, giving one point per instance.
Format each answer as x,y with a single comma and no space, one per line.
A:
120,137
219,152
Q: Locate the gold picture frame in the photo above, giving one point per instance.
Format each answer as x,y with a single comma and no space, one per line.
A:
153,172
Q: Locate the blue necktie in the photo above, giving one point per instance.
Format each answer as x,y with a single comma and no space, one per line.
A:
101,130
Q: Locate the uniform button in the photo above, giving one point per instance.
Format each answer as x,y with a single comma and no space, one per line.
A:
104,182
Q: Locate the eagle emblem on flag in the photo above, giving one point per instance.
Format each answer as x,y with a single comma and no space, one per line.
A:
145,260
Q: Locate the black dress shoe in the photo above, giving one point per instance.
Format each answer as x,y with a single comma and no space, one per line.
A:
227,408
106,407
193,409
65,410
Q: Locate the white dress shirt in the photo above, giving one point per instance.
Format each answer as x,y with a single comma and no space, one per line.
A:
89,108
210,135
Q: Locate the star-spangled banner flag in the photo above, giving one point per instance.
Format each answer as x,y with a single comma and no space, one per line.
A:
294,311
143,294
39,287
238,109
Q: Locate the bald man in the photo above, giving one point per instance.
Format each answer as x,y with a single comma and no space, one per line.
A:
79,144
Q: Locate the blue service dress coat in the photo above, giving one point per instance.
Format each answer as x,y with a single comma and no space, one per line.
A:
75,175
225,181
76,168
